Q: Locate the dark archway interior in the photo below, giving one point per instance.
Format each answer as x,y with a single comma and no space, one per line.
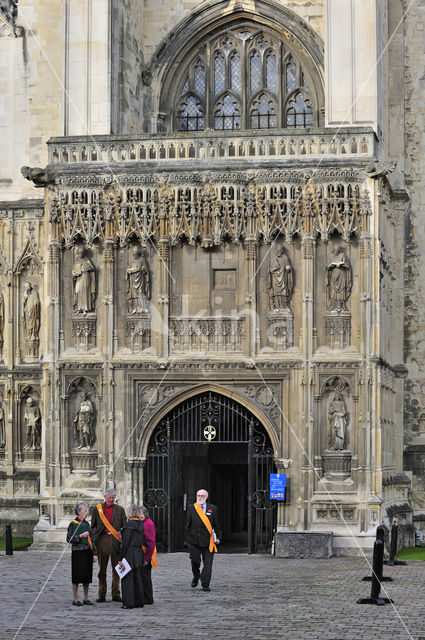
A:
210,441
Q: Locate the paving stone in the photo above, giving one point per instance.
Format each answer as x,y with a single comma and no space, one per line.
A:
252,598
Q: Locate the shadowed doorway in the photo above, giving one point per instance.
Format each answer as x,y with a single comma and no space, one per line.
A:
210,441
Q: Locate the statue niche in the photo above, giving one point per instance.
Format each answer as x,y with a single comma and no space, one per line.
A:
339,283
138,292
31,311
280,288
337,458
32,422
82,422
2,427
2,316
83,300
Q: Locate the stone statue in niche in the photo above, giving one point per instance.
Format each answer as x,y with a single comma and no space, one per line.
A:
32,418
2,428
338,281
138,284
281,282
84,424
84,283
338,421
31,312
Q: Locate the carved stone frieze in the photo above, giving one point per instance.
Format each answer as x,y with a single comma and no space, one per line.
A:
154,209
267,398
138,333
84,332
206,334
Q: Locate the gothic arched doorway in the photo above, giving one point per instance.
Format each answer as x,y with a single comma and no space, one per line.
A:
211,441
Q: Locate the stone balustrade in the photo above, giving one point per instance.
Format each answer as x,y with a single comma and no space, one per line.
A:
206,334
206,146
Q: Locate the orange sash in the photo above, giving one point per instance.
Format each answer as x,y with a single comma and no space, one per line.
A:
107,524
208,525
154,561
88,537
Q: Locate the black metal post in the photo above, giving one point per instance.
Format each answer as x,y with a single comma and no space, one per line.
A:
9,542
380,535
393,546
377,570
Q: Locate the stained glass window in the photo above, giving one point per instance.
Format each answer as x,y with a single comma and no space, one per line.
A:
255,81
271,76
191,115
200,78
299,113
263,114
291,75
255,72
227,114
219,73
235,73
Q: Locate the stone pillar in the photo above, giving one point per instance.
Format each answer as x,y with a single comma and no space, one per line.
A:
351,72
307,347
87,67
251,297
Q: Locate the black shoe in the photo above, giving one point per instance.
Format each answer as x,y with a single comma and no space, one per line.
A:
88,602
77,603
124,606
205,587
101,599
194,582
117,599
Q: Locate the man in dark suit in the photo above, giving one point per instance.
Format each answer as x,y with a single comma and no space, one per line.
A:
203,533
106,523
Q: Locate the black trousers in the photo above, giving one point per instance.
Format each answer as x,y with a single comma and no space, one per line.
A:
147,583
195,554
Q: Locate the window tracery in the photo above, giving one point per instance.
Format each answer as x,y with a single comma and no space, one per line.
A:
245,78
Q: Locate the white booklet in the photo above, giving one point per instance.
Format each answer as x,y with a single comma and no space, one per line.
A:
123,572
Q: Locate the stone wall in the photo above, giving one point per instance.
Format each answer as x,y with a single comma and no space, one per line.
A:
414,415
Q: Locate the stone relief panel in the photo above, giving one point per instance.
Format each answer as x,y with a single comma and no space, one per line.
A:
29,444
82,413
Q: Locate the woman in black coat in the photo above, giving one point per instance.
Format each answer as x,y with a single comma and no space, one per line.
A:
132,540
79,534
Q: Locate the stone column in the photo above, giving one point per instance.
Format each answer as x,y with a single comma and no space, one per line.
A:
251,297
307,347
351,71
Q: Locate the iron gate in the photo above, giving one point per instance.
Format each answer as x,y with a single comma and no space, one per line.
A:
210,419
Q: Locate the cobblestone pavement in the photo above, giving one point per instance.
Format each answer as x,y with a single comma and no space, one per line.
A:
251,598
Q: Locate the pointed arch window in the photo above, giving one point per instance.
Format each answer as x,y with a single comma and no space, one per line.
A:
245,78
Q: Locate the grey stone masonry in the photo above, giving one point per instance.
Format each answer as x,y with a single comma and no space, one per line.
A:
304,544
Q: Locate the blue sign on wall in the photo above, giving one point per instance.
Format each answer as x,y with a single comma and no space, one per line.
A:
277,486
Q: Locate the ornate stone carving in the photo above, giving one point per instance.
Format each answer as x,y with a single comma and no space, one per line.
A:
84,429
32,419
338,418
138,286
206,334
40,177
84,332
31,311
139,333
2,427
280,332
281,282
2,316
336,464
338,281
83,461
84,283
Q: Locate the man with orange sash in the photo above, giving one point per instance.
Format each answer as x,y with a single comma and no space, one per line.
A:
106,523
203,533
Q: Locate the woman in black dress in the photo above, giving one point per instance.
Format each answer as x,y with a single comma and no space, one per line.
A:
83,553
132,540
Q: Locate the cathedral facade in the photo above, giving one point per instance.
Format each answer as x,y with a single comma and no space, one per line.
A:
208,265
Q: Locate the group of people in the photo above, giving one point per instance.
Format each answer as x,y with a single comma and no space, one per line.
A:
113,535
117,535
